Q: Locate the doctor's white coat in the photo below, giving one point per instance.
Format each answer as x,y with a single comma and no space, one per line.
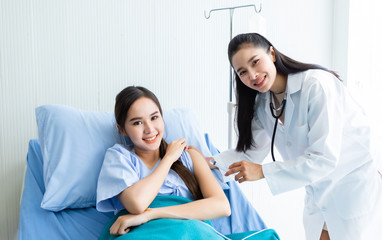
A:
327,147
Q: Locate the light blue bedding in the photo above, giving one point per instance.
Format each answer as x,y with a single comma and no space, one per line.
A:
87,223
243,216
36,223
165,229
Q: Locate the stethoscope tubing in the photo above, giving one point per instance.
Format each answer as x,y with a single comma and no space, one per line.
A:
283,103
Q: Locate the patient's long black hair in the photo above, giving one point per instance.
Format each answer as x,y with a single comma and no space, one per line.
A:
123,102
245,96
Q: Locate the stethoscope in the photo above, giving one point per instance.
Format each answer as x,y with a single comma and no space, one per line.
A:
282,107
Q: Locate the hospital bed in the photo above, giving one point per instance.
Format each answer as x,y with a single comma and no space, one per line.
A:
59,191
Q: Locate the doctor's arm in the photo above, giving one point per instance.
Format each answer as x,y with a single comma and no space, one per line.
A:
247,164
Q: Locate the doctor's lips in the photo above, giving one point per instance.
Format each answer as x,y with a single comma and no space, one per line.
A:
260,82
151,139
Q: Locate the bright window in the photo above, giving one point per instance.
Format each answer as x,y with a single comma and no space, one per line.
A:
365,56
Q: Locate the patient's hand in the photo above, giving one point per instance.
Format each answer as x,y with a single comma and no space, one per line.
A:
123,223
175,149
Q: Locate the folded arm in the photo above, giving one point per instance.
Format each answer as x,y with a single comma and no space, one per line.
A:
213,205
138,197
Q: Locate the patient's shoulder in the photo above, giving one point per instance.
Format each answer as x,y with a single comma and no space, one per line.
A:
194,152
195,155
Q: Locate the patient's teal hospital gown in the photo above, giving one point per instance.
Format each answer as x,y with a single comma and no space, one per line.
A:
122,168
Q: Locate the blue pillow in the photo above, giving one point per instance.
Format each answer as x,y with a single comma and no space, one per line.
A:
73,144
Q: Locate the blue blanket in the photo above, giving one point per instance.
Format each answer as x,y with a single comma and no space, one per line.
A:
177,228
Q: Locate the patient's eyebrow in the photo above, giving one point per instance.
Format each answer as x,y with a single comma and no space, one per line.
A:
139,118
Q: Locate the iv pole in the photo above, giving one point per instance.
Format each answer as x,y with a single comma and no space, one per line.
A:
230,104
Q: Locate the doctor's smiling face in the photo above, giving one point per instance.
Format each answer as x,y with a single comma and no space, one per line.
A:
255,67
144,125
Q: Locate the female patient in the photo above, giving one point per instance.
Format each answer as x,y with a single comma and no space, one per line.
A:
132,176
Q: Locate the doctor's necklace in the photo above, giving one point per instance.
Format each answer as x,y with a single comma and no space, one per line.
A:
274,114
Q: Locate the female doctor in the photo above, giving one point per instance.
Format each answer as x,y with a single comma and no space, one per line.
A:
321,133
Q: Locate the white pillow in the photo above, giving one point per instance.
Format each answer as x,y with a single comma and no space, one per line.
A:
73,144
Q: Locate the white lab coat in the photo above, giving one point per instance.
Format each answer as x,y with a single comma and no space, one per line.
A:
327,147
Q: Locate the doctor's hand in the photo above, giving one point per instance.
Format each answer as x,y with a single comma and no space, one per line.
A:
246,171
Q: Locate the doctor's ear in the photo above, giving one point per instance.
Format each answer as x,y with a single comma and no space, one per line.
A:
273,53
121,131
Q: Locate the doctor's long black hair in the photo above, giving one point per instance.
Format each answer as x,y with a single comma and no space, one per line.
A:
245,96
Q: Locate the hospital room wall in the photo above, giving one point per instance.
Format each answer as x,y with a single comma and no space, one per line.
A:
83,52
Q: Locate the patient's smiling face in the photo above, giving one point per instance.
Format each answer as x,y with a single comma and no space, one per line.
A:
144,125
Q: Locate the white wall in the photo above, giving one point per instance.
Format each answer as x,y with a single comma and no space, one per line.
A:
83,52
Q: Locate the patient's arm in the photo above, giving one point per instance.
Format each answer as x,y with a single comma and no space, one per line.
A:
213,205
138,197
